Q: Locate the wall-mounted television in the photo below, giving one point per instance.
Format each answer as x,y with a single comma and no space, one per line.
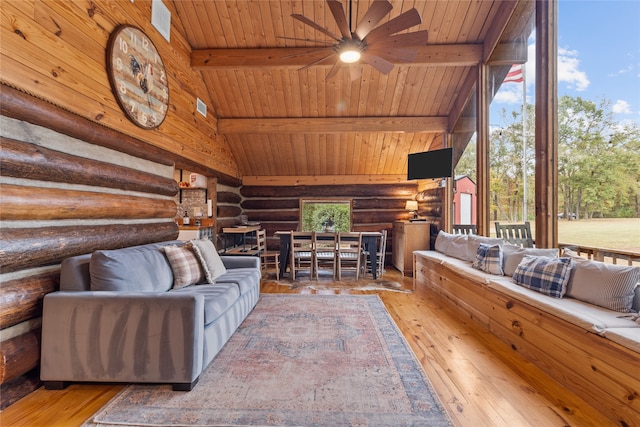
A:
430,164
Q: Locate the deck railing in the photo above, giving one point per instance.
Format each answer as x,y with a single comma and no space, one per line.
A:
611,256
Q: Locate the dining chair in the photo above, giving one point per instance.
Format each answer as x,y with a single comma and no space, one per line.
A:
301,253
349,253
268,258
379,257
324,245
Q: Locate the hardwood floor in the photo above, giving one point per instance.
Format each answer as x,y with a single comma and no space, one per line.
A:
479,379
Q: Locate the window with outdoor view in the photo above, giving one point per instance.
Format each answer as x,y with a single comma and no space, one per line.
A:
325,215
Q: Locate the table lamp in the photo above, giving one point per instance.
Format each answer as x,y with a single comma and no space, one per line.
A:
412,207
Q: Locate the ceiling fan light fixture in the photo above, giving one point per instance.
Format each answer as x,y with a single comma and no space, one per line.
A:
350,54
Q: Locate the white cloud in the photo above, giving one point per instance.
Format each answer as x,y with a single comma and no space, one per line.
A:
568,70
621,107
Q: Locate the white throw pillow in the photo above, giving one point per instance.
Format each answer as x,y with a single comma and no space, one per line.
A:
512,255
606,285
458,247
443,240
209,259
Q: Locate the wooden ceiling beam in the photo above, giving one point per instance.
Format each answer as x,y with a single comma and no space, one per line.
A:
296,57
333,125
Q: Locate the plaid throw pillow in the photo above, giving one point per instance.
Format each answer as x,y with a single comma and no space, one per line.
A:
186,267
489,259
548,276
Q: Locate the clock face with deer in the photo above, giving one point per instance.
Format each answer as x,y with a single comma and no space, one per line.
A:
138,77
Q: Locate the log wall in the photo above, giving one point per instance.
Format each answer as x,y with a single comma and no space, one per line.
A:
63,196
374,207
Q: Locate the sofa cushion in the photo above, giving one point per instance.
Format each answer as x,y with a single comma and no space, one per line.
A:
473,242
142,268
454,245
209,259
218,297
548,276
245,278
489,259
606,285
185,266
512,255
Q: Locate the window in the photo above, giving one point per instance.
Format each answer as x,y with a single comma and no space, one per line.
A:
330,215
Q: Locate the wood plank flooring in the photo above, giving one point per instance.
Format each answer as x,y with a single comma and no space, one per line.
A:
480,380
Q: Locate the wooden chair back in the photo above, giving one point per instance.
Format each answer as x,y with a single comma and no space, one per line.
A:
349,253
301,252
517,234
267,258
324,245
464,229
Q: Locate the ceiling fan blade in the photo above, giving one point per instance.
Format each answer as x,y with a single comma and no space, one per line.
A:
401,22
377,62
396,54
417,38
377,11
310,23
334,70
338,14
317,61
355,71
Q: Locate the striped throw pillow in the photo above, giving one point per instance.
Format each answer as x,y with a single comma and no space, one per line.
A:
548,276
606,285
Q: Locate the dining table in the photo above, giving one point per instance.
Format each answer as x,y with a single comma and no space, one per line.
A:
369,243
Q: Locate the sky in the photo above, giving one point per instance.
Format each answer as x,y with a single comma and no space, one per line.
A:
598,57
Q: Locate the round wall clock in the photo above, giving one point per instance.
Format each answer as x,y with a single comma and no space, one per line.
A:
137,76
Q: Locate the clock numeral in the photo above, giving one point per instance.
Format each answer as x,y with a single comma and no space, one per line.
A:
145,44
132,107
122,45
122,87
143,118
165,95
134,39
118,63
163,76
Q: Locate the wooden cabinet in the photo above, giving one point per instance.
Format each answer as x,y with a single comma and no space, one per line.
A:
408,237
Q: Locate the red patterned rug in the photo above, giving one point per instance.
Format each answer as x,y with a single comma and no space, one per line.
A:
297,360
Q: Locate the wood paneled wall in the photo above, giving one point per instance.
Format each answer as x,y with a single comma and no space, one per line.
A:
63,196
56,51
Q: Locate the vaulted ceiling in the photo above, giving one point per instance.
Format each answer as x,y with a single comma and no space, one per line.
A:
282,121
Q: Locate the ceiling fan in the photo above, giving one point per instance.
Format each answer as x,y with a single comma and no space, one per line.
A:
376,46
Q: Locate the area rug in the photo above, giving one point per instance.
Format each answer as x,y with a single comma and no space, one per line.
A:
297,360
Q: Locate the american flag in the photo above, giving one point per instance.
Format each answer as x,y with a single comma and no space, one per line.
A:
514,75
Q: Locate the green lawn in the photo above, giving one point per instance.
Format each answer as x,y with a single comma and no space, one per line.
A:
618,233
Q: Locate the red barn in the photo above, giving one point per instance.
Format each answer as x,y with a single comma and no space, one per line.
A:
464,200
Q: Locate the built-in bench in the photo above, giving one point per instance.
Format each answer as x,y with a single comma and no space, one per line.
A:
590,350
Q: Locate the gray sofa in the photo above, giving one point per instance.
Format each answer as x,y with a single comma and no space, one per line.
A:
118,318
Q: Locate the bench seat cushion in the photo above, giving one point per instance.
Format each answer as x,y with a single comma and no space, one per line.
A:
626,337
579,313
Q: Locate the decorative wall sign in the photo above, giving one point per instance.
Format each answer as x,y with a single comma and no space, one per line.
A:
138,77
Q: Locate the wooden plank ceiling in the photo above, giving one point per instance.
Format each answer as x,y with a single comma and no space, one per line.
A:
283,121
